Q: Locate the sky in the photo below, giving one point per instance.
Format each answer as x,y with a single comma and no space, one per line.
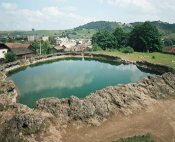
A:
67,14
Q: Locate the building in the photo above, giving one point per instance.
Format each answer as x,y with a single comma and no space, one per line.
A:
169,50
45,38
38,38
58,48
3,50
21,50
31,38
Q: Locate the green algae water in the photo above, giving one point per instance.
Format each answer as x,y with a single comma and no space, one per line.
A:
78,77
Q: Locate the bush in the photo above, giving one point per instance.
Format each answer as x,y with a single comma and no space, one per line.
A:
126,50
10,57
95,47
143,138
153,57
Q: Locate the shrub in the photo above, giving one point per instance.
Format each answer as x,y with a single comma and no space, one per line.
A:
10,57
95,47
153,57
126,50
143,138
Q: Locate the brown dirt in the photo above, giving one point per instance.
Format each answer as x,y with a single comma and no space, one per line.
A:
159,120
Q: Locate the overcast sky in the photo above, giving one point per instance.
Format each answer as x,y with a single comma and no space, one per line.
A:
66,14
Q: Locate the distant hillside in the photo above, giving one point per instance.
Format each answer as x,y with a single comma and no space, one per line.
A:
87,30
100,25
39,32
166,29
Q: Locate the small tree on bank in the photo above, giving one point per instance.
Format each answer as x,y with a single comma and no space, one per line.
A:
10,57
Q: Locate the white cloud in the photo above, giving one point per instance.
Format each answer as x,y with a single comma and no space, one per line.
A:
143,5
70,8
45,18
142,10
8,6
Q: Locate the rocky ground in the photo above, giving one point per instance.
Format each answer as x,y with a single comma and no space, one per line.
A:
157,119
105,115
124,99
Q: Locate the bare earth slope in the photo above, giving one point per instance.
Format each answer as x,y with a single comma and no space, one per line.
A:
157,119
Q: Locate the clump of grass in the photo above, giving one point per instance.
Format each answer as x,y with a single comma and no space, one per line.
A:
153,57
142,138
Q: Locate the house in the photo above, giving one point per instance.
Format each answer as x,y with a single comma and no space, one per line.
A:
58,48
3,50
21,50
169,50
38,38
45,38
31,38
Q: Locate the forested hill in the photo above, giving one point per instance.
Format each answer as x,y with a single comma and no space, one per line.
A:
166,29
100,25
162,26
110,26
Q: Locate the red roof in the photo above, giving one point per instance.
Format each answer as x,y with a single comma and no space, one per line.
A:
169,50
17,45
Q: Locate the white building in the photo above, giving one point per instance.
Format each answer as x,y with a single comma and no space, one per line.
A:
31,38
68,43
45,38
3,51
38,38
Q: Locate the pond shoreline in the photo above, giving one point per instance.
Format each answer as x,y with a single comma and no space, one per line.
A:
93,109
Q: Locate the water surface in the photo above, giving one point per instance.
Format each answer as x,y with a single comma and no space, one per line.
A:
78,77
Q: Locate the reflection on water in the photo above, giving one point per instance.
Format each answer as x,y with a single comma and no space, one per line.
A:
71,77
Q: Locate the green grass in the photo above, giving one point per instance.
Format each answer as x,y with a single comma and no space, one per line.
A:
160,58
143,138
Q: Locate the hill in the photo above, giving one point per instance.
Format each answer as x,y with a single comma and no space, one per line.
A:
86,31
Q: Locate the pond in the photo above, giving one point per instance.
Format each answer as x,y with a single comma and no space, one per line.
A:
67,77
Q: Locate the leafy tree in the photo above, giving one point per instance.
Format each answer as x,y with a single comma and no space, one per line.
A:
121,37
45,47
168,42
10,57
52,40
104,39
145,38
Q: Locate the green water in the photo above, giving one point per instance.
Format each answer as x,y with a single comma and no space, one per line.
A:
69,77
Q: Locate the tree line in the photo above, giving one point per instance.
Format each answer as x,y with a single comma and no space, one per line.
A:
143,38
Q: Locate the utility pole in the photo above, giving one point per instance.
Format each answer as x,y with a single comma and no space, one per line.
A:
40,47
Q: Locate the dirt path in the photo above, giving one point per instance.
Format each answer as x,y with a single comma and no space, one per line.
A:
159,120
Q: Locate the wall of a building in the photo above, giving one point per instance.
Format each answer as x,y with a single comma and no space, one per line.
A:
3,52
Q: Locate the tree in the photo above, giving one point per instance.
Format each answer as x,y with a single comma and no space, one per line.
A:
121,37
168,42
45,47
10,57
104,39
145,38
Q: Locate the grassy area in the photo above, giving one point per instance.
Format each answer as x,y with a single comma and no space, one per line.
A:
143,138
155,57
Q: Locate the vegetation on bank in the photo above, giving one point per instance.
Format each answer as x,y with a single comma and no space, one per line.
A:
10,57
143,38
143,138
155,57
43,47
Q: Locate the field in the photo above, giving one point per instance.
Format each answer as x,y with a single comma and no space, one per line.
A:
160,58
